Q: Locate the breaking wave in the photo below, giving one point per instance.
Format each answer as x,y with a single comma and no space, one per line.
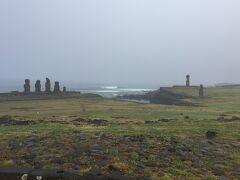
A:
109,87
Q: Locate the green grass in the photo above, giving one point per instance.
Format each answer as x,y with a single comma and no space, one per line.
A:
128,117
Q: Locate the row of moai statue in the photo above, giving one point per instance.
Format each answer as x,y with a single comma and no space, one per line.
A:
201,89
27,87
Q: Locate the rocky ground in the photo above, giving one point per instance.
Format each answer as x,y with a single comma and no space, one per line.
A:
133,155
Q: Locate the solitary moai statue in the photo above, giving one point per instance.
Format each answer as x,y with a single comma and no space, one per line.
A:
57,88
48,86
188,80
27,87
64,89
38,87
201,91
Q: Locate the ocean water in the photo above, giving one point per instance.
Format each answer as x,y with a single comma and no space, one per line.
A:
113,91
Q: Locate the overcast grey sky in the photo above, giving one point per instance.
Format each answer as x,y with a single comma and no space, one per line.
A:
132,41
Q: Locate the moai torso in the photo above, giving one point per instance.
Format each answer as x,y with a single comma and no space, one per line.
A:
27,87
188,80
64,89
57,88
38,87
48,86
201,91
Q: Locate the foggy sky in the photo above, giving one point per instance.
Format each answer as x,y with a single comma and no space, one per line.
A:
120,41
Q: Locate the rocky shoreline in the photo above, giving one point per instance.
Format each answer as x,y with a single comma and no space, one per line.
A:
160,96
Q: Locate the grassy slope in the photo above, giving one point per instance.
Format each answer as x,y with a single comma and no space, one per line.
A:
129,118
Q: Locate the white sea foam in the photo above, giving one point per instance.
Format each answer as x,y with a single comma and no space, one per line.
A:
109,87
106,91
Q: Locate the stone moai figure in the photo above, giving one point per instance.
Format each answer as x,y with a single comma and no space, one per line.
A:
201,91
57,88
38,87
188,80
48,86
27,87
64,89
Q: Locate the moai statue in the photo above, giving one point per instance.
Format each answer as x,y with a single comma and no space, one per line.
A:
188,80
38,87
64,89
201,91
57,87
48,86
27,87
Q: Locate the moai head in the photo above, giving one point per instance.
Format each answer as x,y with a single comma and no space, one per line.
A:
188,80
27,81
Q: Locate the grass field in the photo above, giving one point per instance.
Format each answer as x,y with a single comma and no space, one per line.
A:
81,132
